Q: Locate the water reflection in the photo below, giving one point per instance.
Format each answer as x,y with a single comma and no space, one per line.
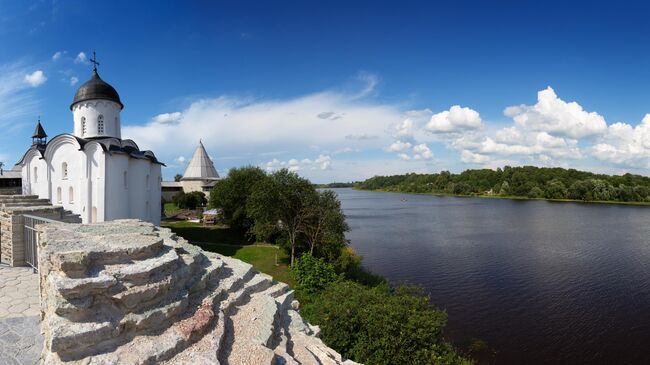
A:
541,282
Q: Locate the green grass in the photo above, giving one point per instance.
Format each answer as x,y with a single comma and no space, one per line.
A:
198,233
225,241
171,208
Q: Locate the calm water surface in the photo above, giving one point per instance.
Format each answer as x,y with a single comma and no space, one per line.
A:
541,282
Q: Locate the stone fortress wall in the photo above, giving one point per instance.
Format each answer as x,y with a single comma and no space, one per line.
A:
128,292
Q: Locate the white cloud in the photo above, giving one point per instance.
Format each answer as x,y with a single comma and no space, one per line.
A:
57,55
625,145
404,130
248,126
81,58
361,137
323,162
404,157
555,116
74,80
398,146
181,160
36,78
509,135
17,98
422,152
167,118
456,119
473,158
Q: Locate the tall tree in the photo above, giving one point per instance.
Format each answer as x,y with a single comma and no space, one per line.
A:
232,194
280,203
325,224
178,177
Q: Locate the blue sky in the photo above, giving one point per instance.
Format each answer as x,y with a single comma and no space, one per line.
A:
343,90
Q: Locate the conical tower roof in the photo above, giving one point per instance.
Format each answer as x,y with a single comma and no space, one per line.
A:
200,167
39,132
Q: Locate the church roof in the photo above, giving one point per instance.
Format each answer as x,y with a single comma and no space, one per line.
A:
108,144
39,132
96,88
201,166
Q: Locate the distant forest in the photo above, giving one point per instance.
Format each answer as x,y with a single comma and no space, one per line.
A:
526,181
335,185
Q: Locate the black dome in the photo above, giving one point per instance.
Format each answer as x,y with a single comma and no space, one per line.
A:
96,88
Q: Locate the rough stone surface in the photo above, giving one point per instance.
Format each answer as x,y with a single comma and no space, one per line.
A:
18,292
12,209
127,292
21,342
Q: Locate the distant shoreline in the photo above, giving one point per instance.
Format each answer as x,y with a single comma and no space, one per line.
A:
510,197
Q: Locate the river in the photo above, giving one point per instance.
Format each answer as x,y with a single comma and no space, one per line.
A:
540,282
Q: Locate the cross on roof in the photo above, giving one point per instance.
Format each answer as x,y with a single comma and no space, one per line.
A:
93,60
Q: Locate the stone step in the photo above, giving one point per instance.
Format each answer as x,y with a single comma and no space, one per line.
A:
83,287
139,272
178,336
25,203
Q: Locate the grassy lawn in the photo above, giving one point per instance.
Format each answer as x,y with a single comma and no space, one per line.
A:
171,208
227,242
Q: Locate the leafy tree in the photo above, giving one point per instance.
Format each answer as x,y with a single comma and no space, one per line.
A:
536,192
313,274
280,204
178,177
382,326
191,200
232,194
325,226
555,189
505,188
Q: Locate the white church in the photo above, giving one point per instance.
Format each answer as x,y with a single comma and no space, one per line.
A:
93,172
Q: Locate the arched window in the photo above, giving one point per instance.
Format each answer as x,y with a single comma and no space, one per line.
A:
64,170
126,185
35,174
71,195
100,124
59,199
84,128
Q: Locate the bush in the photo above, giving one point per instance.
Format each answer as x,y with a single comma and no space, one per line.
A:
382,326
313,274
191,200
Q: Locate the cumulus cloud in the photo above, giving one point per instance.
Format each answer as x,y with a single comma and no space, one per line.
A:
625,145
36,78
422,152
241,126
81,58
555,116
398,146
167,118
323,162
404,157
74,80
473,158
456,119
181,159
57,55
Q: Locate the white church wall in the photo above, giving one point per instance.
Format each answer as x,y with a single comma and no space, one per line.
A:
91,111
94,209
66,174
117,169
34,176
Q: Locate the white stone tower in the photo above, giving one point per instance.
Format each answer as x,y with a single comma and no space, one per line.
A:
96,108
